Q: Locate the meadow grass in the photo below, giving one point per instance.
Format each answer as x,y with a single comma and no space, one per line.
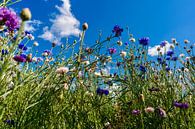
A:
111,84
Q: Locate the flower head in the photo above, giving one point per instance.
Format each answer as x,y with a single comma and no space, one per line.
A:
22,47
19,58
100,91
161,112
136,112
117,30
170,53
163,43
181,105
62,70
25,14
144,41
142,68
8,18
149,109
112,50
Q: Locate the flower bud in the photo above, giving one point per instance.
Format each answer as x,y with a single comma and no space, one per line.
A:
36,44
25,14
85,26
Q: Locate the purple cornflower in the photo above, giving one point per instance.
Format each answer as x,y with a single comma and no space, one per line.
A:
8,18
112,50
170,53
117,30
136,112
161,112
144,41
118,64
181,105
22,47
19,58
177,104
142,68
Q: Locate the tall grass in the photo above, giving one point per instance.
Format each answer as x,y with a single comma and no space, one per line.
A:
110,84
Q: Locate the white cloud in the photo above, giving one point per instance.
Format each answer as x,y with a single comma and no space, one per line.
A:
63,25
152,51
32,25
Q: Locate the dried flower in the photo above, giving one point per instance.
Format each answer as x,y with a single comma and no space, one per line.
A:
120,43
123,54
62,70
149,109
161,112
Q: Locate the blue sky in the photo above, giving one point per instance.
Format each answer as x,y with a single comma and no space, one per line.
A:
157,19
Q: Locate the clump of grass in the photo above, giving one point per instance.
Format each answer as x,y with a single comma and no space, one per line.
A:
111,84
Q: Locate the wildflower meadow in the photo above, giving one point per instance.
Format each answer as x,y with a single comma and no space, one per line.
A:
110,84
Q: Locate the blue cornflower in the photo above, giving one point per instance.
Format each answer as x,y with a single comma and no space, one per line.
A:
27,32
117,30
142,68
167,69
174,58
22,47
4,52
144,41
168,58
10,122
126,43
23,55
170,53
159,59
100,91
163,43
118,64
48,52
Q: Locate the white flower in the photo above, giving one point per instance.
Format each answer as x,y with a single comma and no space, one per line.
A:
187,58
181,55
36,44
98,74
172,46
123,53
149,109
120,43
62,70
132,40
186,70
186,41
